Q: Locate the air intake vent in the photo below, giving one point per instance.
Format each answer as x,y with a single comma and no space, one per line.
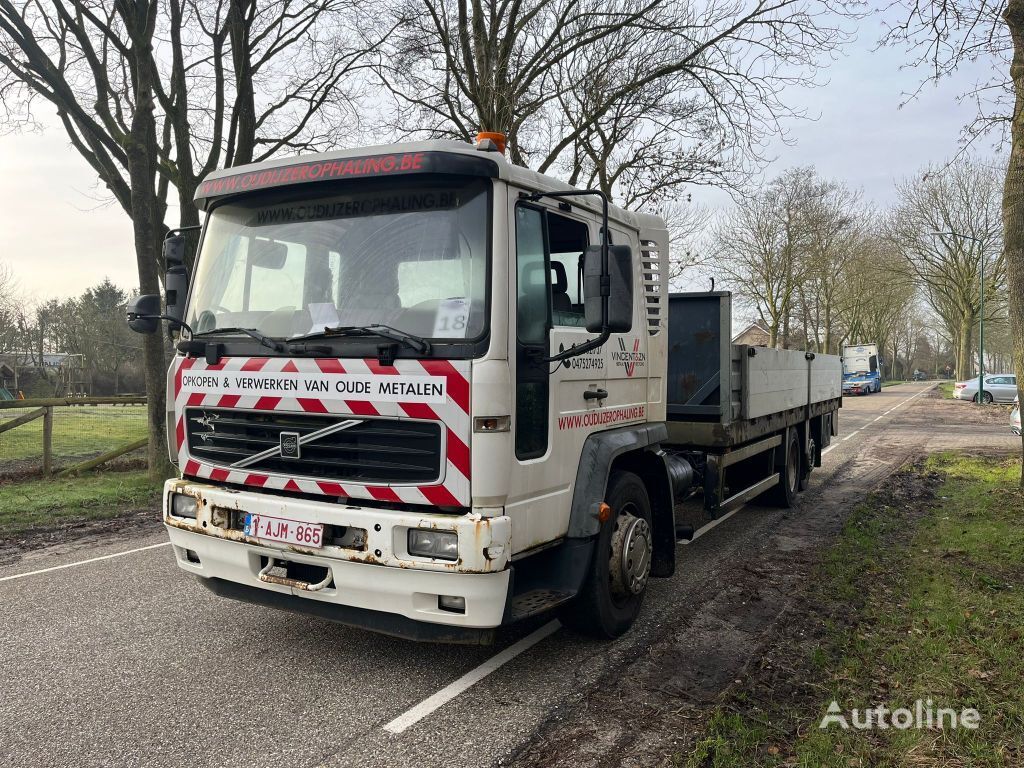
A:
319,447
655,285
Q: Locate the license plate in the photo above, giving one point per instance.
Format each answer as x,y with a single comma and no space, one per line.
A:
281,529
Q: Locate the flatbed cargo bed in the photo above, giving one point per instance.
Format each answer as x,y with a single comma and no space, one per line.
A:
722,395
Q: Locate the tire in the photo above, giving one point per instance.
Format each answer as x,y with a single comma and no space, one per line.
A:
611,596
988,397
806,466
784,494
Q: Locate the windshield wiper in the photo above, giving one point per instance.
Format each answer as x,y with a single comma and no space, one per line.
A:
263,339
411,340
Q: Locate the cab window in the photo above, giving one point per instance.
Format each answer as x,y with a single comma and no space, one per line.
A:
567,240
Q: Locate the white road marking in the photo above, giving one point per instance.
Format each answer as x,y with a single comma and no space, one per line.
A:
474,676
881,416
84,562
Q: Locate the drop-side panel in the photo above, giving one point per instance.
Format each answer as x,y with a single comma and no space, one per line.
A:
776,380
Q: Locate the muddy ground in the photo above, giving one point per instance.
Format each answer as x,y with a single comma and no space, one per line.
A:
128,523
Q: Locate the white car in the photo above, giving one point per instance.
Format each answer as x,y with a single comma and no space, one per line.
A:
999,388
1015,418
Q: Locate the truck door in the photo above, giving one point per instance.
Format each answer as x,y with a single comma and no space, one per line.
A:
550,412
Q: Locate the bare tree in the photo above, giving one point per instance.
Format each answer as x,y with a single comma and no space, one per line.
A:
835,220
762,247
877,294
954,33
154,95
688,226
632,96
945,225
11,304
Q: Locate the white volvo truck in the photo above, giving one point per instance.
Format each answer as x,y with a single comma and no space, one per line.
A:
421,390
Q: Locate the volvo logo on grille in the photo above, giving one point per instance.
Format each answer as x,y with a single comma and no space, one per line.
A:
290,445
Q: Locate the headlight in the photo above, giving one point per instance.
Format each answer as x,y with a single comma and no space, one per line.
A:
183,506
426,542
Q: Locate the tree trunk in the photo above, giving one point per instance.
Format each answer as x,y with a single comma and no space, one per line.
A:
1013,198
148,229
964,349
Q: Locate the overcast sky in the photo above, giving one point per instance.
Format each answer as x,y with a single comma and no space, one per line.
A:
59,236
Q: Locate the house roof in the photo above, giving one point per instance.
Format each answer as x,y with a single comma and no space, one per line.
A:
755,326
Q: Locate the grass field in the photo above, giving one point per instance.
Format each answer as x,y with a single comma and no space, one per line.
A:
78,431
54,502
933,613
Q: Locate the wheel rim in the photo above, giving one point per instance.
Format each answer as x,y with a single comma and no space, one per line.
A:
632,547
793,467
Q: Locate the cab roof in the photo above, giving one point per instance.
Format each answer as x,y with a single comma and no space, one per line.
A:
403,159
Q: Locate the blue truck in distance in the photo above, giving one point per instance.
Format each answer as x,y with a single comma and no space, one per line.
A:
861,372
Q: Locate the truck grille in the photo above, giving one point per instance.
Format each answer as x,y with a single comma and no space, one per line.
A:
370,451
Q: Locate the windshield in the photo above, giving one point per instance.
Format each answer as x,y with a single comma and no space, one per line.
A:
413,257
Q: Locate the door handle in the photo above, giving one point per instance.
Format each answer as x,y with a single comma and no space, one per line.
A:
595,394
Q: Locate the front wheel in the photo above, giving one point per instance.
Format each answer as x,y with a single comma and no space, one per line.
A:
987,399
616,581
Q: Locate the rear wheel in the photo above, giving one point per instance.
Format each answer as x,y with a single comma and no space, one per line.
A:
616,581
806,465
784,494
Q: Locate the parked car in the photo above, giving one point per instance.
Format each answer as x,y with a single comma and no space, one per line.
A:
999,388
859,385
1015,417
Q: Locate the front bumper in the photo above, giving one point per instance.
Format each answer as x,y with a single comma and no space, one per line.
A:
378,585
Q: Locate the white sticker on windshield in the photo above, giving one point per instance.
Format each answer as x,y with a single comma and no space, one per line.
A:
452,320
323,316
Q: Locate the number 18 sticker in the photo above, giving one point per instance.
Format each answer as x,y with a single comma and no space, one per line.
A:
452,318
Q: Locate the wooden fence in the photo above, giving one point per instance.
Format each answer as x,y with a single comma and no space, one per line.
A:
44,408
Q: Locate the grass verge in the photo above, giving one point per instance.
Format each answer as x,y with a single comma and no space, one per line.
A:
946,388
921,599
53,502
893,383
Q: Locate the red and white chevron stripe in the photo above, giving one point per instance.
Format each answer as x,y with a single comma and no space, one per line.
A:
453,488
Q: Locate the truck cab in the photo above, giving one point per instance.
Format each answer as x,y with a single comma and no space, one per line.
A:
421,390
862,374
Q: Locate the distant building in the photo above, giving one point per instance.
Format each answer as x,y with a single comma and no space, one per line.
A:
61,373
754,335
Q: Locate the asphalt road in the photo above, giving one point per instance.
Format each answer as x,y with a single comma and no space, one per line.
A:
127,661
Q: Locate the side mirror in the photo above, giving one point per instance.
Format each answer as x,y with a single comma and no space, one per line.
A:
175,292
174,251
618,289
176,277
144,313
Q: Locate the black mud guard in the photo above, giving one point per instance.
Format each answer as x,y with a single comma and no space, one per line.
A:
638,447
